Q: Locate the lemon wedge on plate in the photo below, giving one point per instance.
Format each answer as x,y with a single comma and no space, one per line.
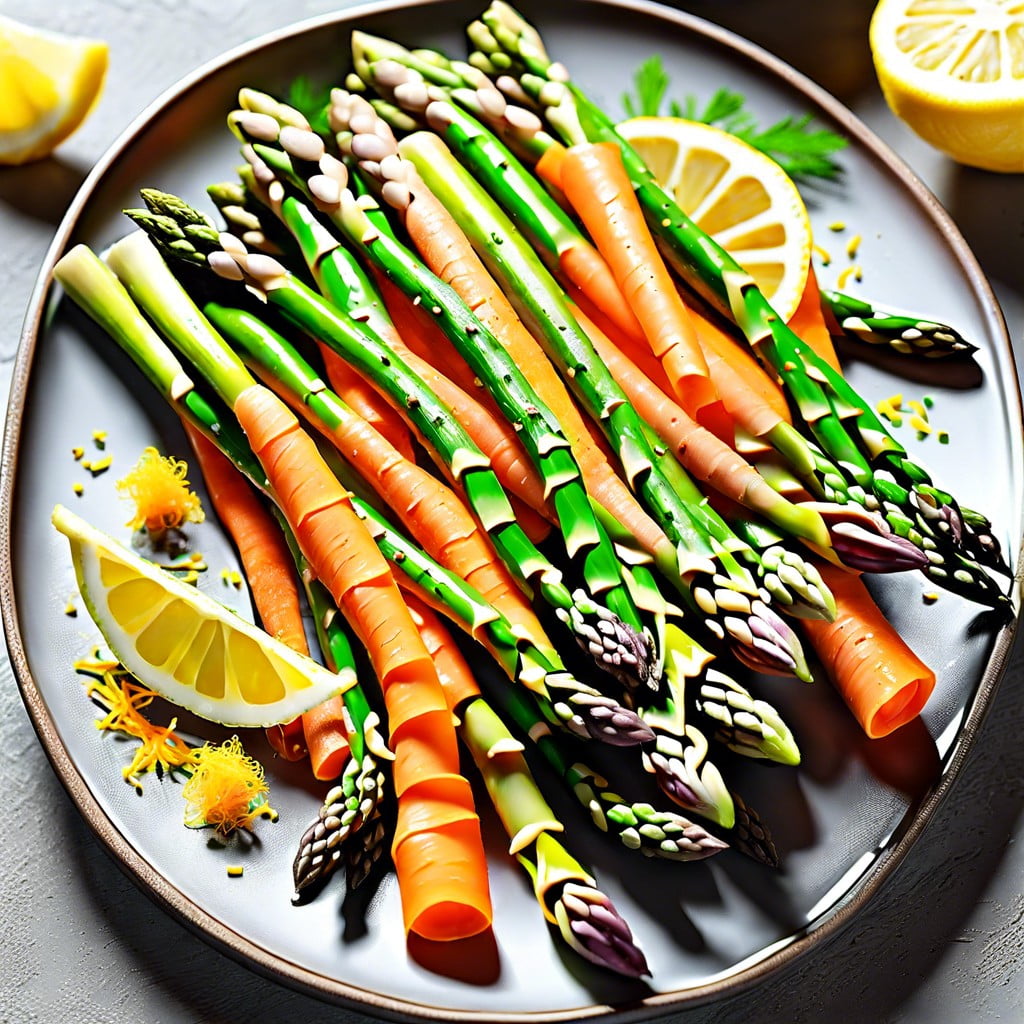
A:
48,84
184,645
953,70
743,199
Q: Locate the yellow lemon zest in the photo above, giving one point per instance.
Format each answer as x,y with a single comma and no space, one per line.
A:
123,699
227,790
159,487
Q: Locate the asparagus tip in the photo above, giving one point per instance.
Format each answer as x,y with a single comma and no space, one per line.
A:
592,926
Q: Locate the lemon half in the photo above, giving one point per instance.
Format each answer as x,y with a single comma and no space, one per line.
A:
48,84
743,199
187,647
953,70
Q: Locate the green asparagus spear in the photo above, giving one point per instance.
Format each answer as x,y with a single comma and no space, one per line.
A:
631,650
586,918
877,469
900,333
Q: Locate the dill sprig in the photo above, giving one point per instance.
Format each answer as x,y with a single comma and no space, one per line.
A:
792,142
312,101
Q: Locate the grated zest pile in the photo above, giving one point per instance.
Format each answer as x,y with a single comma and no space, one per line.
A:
158,486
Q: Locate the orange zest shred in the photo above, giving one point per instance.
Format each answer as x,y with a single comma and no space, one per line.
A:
116,691
226,787
158,487
227,790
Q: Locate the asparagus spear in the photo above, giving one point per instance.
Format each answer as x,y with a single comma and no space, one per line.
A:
585,917
879,469
227,257
585,540
900,333
638,825
93,287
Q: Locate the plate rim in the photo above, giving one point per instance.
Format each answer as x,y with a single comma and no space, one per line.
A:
280,969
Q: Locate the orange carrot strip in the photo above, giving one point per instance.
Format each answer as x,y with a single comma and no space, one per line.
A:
882,680
267,564
431,512
744,385
739,380
704,454
587,273
325,728
358,393
448,253
808,323
549,167
453,670
421,344
597,186
437,847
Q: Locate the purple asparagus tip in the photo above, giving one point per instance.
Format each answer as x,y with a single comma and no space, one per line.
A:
770,645
610,722
864,541
589,923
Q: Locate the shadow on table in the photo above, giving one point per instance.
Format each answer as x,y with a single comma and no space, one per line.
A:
42,190
989,210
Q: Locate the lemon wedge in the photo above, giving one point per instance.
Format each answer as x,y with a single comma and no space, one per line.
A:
743,199
953,70
48,84
187,647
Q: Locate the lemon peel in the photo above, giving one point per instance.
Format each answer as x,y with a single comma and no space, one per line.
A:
737,194
49,83
227,789
954,72
159,488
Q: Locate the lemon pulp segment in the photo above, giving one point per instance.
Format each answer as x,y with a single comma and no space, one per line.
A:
186,646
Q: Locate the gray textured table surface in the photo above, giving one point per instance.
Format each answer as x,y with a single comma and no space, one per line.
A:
943,942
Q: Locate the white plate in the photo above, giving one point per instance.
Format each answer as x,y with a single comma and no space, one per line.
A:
843,820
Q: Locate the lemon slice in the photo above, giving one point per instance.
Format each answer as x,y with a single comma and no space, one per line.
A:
953,70
48,84
184,645
739,196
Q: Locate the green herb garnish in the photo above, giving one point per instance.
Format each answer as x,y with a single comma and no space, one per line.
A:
801,150
312,102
